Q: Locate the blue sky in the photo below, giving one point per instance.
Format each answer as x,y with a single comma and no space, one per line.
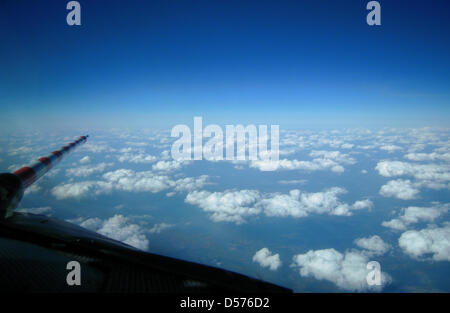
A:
158,63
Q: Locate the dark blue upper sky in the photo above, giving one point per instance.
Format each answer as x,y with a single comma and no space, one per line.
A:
299,63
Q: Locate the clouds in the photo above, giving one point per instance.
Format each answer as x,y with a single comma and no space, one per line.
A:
428,156
158,228
227,206
314,165
348,271
434,176
375,245
271,202
85,160
119,228
168,166
86,170
235,206
96,147
127,180
390,148
138,158
433,172
265,258
301,204
432,240
414,214
400,188
72,190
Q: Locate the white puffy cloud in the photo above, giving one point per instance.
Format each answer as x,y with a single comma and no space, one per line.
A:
322,160
168,166
333,155
285,164
347,146
414,214
229,206
137,144
86,170
189,183
432,172
432,240
265,258
390,148
399,188
128,180
73,190
119,228
301,204
137,158
235,206
85,160
428,156
375,245
347,271
96,147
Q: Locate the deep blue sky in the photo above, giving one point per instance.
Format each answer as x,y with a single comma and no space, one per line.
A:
152,63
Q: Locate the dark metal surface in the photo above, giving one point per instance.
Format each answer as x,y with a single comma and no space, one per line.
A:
35,249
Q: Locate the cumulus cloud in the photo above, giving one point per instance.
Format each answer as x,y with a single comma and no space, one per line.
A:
434,241
189,183
322,160
85,159
119,228
72,190
96,147
265,258
158,228
414,214
86,170
399,188
333,155
427,172
390,148
235,206
375,245
347,271
137,158
128,180
229,206
301,204
285,164
168,166
428,156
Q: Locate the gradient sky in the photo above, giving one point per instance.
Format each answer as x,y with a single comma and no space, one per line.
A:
158,63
